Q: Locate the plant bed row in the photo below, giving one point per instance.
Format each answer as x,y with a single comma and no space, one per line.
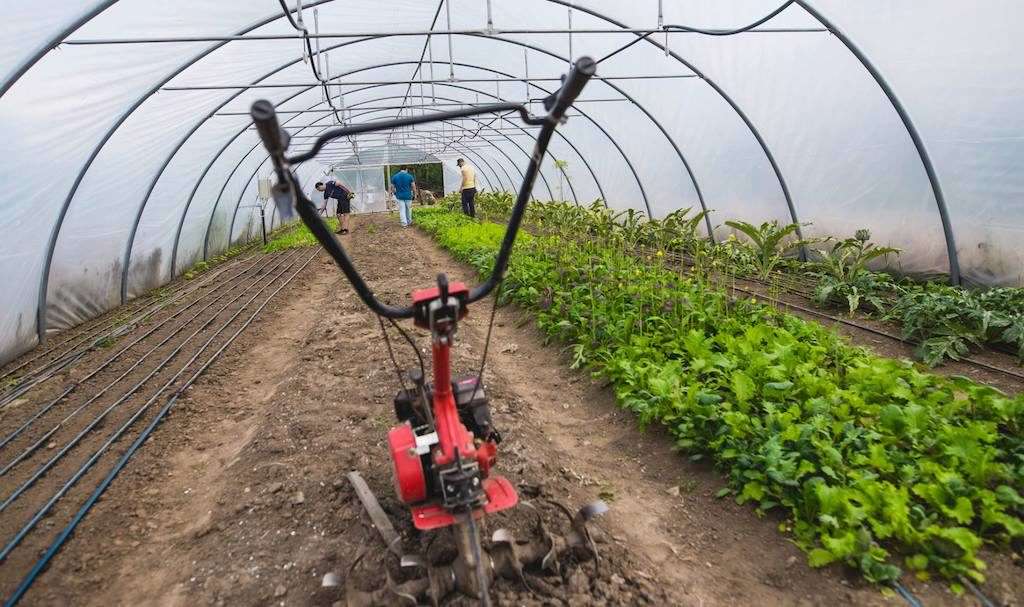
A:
946,322
873,463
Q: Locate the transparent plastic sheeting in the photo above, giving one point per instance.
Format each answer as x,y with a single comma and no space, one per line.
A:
367,183
110,166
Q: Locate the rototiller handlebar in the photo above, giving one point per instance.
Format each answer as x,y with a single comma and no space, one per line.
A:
288,194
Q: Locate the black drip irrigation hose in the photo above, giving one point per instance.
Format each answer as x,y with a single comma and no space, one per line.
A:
8,399
838,319
730,32
685,260
175,293
99,419
697,30
312,60
230,283
91,374
984,600
114,329
92,333
906,595
13,543
55,547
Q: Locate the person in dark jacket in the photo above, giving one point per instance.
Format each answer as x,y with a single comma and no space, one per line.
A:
333,189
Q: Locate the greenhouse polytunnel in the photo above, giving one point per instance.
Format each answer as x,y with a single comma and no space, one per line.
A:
843,176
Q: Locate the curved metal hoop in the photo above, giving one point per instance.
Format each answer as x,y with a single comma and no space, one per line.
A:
915,136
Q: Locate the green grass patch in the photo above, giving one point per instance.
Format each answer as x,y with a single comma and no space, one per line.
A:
105,342
873,462
203,266
299,236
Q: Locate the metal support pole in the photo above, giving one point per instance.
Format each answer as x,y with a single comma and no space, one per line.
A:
451,56
263,224
570,36
316,29
286,85
19,70
327,89
922,150
526,77
430,52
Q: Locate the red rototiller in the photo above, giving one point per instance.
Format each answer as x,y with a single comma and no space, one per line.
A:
445,445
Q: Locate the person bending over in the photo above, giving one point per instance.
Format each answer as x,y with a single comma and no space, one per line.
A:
333,189
468,187
403,186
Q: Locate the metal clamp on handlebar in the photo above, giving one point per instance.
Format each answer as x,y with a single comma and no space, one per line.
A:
288,193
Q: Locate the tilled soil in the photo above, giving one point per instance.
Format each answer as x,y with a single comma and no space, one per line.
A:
240,497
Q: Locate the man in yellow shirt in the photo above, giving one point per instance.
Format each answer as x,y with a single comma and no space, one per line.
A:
468,187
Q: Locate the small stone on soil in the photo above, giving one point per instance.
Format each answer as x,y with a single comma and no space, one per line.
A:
280,590
298,498
673,491
275,487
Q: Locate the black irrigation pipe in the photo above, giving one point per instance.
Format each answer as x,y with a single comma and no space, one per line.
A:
26,386
136,305
173,294
123,460
99,419
39,376
872,330
75,385
43,410
685,260
984,600
177,294
906,595
42,512
791,284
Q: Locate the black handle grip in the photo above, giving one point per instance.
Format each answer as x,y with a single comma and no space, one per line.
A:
275,139
582,70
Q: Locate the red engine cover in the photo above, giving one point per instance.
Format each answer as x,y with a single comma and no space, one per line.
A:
410,482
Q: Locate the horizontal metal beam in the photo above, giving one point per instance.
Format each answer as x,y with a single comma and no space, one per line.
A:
361,137
336,149
397,136
412,106
285,85
453,32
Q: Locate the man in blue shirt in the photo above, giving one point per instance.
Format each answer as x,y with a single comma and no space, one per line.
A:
403,186
333,189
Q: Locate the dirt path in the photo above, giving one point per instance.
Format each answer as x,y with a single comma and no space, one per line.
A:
239,498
